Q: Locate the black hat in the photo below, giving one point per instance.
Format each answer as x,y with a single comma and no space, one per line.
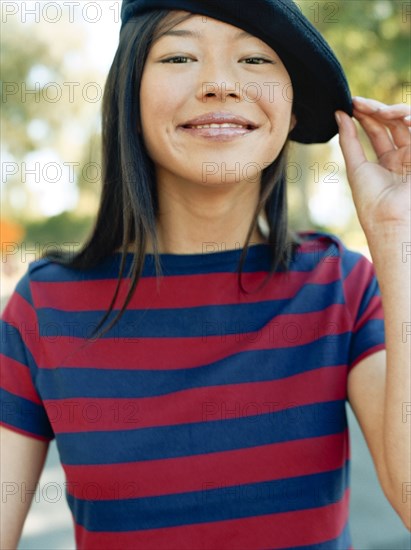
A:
319,83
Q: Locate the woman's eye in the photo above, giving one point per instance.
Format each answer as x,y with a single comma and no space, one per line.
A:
258,59
249,60
172,59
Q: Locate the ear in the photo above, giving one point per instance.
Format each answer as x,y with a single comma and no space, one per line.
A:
293,122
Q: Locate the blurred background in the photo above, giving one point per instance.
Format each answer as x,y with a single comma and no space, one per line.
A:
55,57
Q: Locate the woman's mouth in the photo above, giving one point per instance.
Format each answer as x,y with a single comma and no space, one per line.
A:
218,132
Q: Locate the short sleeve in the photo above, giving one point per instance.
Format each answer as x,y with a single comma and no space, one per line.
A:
22,409
363,299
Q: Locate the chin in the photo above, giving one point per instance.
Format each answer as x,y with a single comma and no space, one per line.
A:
235,176
227,181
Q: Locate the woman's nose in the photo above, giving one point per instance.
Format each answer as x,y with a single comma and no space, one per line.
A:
217,80
222,90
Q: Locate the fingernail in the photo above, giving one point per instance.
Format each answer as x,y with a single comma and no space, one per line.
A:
359,98
338,118
407,118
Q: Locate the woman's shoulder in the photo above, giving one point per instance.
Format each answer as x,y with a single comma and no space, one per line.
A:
323,240
44,277
323,248
46,280
311,237
52,270
47,270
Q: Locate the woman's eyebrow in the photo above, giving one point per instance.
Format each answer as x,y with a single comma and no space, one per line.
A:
199,35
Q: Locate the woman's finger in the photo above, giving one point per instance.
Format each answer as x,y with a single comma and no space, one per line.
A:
351,147
400,111
378,134
401,136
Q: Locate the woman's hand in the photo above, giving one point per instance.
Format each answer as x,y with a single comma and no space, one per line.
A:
382,189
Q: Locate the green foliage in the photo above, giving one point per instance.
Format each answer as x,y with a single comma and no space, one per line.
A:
372,41
63,230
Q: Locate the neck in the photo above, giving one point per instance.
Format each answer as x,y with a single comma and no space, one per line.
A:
197,218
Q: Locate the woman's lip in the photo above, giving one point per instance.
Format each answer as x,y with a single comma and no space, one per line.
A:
218,134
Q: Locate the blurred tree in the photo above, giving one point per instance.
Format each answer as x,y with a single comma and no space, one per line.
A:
371,40
47,114
65,230
37,84
17,59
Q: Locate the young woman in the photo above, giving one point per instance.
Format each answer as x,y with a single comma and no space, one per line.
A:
194,359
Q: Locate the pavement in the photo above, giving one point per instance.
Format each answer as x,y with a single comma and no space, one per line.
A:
374,523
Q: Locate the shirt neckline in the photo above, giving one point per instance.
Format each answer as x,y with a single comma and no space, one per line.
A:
255,252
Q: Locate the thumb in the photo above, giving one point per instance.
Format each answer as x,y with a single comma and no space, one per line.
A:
351,147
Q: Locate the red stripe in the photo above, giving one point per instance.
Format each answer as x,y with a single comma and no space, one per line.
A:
21,315
288,529
179,353
197,404
373,310
356,283
16,378
210,471
177,291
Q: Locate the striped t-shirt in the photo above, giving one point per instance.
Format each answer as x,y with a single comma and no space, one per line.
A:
206,418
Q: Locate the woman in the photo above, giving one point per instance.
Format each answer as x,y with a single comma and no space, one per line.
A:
205,409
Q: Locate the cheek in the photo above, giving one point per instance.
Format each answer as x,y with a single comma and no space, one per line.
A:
279,114
159,102
158,94
152,111
157,105
278,103
149,102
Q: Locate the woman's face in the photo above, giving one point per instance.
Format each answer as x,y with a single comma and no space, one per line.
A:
214,71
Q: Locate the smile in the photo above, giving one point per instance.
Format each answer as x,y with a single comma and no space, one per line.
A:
216,125
218,132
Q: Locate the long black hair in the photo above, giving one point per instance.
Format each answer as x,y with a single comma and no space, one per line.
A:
129,204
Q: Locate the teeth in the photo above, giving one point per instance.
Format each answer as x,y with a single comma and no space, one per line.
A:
224,125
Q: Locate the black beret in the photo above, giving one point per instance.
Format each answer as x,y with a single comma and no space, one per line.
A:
319,83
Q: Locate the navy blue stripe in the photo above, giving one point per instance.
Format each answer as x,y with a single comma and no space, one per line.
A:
24,414
320,235
343,542
201,321
195,438
371,291
184,264
369,335
348,262
23,288
208,505
258,259
246,366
